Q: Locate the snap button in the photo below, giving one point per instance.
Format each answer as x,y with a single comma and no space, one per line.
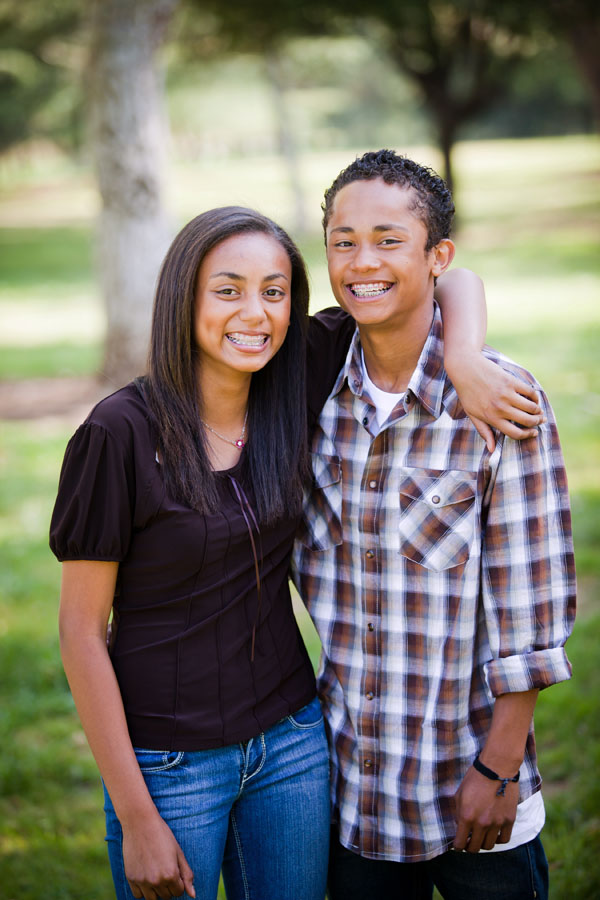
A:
435,499
366,421
369,554
369,695
372,484
371,627
368,763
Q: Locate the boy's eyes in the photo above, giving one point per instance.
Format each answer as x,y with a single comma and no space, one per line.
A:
384,242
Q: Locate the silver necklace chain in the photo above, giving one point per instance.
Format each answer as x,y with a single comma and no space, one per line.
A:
241,441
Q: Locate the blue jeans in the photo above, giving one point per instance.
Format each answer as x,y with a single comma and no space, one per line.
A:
518,874
258,810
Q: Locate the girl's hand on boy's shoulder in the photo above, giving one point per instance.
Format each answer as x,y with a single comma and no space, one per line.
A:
494,398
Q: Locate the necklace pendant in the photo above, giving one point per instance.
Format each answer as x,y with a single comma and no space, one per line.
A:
240,444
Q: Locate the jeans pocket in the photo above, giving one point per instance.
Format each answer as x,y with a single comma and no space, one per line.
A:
157,760
308,716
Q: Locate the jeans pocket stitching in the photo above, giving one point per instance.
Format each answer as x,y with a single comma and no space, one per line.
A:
166,764
301,726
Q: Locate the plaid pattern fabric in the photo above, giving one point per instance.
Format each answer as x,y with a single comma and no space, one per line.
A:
438,576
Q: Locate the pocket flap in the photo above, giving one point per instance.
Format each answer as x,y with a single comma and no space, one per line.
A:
438,489
326,470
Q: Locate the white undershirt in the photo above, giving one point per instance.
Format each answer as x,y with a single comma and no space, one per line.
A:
383,401
531,813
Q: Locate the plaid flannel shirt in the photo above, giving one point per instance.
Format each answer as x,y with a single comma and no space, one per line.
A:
439,576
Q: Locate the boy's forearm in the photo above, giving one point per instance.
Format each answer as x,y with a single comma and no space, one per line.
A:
505,745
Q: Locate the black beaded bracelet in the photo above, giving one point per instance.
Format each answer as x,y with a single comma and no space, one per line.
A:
493,776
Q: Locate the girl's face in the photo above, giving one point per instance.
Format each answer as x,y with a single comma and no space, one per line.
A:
243,303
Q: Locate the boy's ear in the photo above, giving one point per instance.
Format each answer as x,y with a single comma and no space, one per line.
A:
443,254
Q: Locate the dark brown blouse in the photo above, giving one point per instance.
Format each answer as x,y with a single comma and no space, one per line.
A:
186,595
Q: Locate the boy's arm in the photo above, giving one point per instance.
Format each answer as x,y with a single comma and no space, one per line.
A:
527,597
483,817
489,395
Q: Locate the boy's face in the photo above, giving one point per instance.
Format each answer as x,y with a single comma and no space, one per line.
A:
379,269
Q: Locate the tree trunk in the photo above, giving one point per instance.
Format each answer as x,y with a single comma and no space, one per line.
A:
128,131
584,41
285,138
446,134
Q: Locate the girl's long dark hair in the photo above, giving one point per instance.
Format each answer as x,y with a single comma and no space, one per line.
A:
275,460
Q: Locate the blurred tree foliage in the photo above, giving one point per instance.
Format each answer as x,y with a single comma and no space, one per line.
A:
41,59
466,68
469,60
575,22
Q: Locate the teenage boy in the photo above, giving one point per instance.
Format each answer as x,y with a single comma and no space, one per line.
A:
440,576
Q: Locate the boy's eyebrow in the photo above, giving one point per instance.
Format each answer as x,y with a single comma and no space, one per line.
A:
390,226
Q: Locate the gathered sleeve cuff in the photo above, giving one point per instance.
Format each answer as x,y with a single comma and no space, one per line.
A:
538,669
92,517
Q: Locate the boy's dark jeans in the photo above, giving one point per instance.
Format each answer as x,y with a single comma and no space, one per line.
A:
519,874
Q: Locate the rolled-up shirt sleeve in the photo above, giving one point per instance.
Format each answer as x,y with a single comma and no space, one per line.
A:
528,568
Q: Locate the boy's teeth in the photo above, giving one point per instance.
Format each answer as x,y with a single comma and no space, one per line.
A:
248,340
369,290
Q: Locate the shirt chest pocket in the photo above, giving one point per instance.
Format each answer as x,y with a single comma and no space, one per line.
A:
321,526
437,517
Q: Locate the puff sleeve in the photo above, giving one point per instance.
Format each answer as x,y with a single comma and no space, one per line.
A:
93,513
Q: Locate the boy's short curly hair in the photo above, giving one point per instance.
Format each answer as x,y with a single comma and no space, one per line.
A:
432,199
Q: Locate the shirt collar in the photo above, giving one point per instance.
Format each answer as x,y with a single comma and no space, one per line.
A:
427,382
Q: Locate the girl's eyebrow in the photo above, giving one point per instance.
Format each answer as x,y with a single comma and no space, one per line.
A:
235,277
275,275
231,275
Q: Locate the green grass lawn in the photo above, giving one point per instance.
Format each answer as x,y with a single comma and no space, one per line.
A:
529,225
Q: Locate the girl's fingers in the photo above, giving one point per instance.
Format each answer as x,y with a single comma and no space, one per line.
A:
525,404
516,432
525,419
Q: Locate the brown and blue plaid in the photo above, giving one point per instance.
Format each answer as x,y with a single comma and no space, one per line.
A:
439,576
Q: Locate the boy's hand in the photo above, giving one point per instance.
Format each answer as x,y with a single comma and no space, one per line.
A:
483,818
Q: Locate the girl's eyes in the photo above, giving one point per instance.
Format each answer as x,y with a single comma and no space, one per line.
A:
230,293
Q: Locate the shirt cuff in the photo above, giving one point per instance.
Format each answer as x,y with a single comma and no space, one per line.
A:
538,669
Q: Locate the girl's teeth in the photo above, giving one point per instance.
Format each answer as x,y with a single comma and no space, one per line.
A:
247,340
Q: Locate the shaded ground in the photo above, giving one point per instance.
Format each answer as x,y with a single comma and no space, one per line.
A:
35,398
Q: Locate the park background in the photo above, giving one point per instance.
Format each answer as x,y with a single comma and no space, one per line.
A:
264,110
